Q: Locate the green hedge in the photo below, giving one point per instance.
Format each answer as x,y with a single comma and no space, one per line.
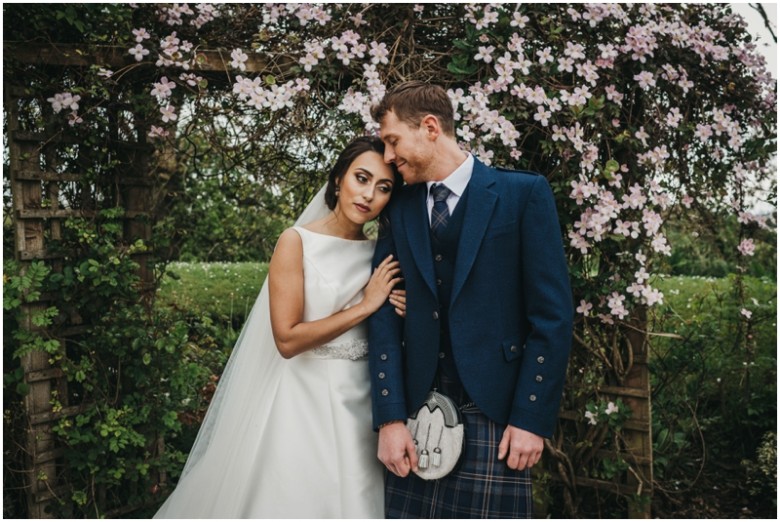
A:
713,368
714,380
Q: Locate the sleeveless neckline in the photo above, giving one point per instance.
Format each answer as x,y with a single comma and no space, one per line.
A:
335,237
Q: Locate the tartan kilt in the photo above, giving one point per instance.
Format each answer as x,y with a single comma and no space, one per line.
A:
481,486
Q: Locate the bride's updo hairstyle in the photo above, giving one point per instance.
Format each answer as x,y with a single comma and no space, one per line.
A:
355,148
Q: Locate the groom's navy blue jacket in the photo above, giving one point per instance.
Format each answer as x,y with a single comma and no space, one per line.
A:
510,314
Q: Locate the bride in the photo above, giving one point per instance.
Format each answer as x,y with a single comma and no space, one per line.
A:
288,433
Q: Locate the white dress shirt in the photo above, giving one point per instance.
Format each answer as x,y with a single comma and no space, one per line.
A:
456,182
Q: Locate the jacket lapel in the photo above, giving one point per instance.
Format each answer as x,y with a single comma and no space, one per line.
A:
417,232
479,209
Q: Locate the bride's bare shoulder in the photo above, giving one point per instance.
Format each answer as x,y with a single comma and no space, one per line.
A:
289,243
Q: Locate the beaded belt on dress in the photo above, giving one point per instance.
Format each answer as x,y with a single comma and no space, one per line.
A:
353,350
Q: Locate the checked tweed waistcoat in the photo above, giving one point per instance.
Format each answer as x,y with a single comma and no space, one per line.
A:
445,250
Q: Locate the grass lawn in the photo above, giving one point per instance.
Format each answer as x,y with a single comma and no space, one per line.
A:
226,290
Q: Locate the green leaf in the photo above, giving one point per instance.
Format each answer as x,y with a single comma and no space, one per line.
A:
612,166
463,45
461,71
22,388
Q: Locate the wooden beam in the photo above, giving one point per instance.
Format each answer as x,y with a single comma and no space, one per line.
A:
623,391
48,456
47,213
116,57
49,416
42,175
32,255
39,137
629,425
40,375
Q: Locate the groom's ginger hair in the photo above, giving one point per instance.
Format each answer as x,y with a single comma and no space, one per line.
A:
411,101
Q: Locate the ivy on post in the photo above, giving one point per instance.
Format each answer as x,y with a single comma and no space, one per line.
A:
45,395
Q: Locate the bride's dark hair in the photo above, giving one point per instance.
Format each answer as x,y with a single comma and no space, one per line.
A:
354,149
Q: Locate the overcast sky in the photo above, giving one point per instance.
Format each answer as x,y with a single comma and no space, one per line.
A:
757,28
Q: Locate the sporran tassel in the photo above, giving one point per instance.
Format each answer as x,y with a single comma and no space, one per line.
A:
423,462
436,457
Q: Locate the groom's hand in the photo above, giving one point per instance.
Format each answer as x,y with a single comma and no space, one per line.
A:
396,449
522,449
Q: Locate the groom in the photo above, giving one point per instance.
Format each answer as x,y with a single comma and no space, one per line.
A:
488,320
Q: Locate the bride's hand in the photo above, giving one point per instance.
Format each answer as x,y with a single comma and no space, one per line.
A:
382,281
398,299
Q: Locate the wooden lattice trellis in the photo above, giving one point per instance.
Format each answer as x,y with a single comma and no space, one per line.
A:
38,213
636,434
38,216
37,180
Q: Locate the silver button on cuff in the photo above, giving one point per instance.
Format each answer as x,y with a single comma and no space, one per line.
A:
540,359
532,398
513,349
383,356
381,375
385,393
539,378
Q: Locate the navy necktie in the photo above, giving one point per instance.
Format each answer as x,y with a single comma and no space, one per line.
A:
441,212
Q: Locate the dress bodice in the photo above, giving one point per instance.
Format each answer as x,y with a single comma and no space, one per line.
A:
335,272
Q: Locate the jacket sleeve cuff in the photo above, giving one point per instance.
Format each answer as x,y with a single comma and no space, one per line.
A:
542,426
388,413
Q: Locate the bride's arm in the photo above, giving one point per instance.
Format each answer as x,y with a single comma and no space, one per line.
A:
293,336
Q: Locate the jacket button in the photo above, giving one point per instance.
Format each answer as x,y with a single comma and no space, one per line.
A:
532,398
539,378
435,316
385,393
381,375
438,282
403,343
540,359
513,349
438,257
383,356
441,355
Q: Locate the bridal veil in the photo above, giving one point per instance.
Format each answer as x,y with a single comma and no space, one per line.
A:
218,471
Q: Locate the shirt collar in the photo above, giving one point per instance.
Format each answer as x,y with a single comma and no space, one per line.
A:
459,179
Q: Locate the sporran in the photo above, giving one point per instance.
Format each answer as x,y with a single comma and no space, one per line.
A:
439,437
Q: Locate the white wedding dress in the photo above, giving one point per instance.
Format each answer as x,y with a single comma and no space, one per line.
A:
292,438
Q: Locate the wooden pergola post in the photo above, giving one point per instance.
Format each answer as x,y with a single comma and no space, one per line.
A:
44,381
639,442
